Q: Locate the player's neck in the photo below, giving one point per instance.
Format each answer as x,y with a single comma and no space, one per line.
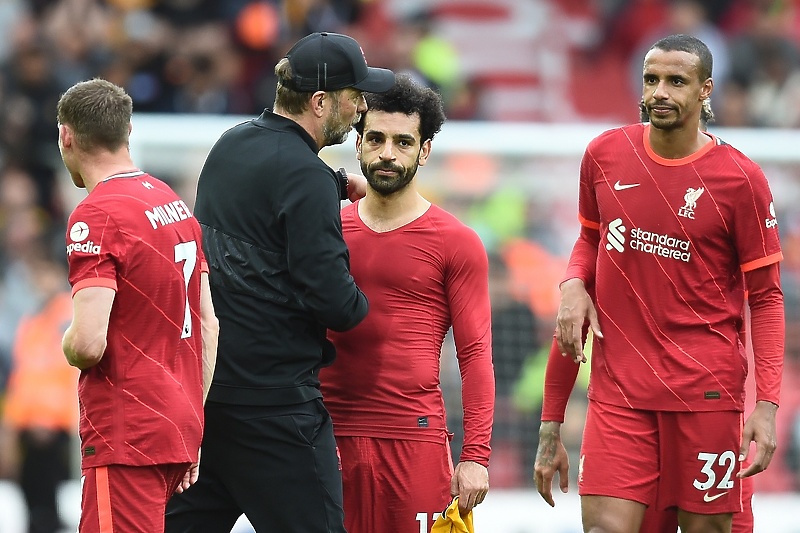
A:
387,213
677,143
100,166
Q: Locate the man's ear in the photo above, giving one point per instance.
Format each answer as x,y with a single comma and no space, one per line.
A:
424,152
708,87
358,146
65,134
318,103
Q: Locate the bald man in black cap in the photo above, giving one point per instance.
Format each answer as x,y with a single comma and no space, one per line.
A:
279,272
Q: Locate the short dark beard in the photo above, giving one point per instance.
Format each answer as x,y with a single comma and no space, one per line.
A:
388,186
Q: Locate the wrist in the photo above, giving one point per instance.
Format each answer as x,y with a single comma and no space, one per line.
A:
572,283
552,427
341,175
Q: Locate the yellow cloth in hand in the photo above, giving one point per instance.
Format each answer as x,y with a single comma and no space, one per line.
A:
451,520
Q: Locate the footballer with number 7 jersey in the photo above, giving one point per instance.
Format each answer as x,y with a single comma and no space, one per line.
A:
143,330
678,229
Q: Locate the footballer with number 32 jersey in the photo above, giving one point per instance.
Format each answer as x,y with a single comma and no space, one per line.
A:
678,233
676,236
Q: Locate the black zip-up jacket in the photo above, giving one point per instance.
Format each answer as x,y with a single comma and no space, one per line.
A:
278,265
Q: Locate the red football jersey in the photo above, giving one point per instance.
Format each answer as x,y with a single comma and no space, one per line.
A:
419,279
675,238
142,404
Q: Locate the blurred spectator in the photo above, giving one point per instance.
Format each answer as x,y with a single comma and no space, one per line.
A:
204,70
764,64
142,49
516,337
430,60
22,231
731,105
77,55
516,332
41,411
689,17
774,92
13,13
309,16
28,132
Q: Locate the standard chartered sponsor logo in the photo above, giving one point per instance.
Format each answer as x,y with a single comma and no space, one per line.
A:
660,245
647,242
615,235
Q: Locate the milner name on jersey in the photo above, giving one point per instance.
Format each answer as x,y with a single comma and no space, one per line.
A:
162,215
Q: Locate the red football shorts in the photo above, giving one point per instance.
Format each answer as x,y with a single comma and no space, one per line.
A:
667,459
129,499
666,520
394,485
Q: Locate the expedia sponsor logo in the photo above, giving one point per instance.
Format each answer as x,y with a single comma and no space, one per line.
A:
88,247
646,242
79,231
771,222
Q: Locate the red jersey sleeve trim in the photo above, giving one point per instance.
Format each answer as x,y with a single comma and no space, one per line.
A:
764,261
588,223
204,267
676,162
94,282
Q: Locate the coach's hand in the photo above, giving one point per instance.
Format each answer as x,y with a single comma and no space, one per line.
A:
551,457
190,477
574,309
470,483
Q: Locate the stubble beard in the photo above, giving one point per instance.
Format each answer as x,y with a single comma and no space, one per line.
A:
665,124
333,130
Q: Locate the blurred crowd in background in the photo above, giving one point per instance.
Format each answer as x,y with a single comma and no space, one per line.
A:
492,60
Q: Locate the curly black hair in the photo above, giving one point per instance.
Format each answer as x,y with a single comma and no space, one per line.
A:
409,97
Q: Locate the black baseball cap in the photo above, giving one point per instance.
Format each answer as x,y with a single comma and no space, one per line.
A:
326,61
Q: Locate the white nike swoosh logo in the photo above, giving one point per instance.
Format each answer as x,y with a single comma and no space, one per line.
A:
707,498
619,187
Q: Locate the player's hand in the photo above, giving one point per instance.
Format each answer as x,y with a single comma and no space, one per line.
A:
356,186
190,477
574,309
759,428
551,457
470,483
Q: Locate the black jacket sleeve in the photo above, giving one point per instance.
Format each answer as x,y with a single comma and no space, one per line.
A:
317,255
